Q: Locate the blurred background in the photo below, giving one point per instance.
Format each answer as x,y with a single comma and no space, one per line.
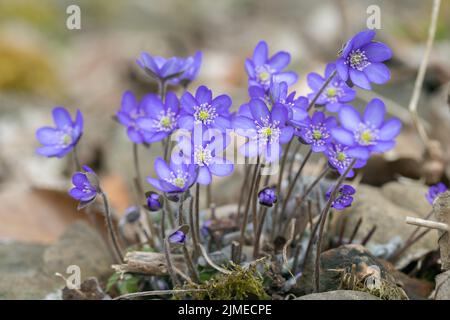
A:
43,64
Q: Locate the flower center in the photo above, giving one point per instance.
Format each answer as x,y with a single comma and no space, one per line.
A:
179,182
202,156
205,114
357,60
366,135
268,132
166,122
317,135
264,73
331,92
340,156
66,139
178,179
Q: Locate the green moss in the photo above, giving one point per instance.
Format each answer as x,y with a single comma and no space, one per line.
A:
242,283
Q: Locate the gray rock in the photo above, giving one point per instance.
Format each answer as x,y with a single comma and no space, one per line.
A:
442,291
80,245
339,295
21,272
408,194
375,209
351,267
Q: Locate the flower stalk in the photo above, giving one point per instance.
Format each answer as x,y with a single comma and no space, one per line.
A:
109,222
323,218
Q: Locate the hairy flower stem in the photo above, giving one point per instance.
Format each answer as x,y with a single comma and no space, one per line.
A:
325,84
140,197
243,189
255,203
247,209
170,269
323,218
197,211
208,196
308,190
180,211
292,186
76,160
262,217
162,85
190,264
192,227
291,162
280,175
110,225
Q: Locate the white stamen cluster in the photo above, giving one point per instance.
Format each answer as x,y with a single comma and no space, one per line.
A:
366,135
178,178
205,114
317,134
202,156
264,74
166,121
339,158
267,132
357,60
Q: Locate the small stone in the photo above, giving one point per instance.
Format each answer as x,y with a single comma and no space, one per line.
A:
377,210
408,194
442,291
339,295
82,246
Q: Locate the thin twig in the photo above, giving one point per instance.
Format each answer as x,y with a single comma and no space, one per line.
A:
211,263
155,293
421,74
355,230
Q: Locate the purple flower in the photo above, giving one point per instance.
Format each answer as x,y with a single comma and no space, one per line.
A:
86,187
434,191
173,178
343,198
160,119
336,93
206,154
267,196
59,141
267,130
261,69
153,201
204,110
131,110
164,69
278,93
316,131
177,237
371,132
191,72
361,60
340,157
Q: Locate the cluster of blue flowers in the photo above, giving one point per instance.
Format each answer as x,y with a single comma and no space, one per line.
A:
272,117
